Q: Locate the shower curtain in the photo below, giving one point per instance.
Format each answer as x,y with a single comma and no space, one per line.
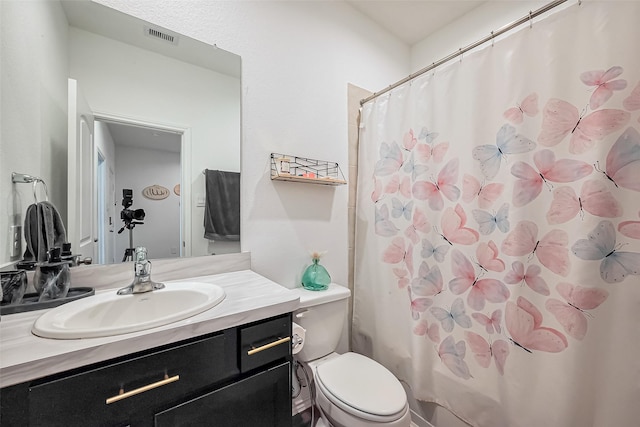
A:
497,264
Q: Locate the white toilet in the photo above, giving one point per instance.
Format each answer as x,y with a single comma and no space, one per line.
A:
351,390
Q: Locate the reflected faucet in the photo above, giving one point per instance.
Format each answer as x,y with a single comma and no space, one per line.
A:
142,275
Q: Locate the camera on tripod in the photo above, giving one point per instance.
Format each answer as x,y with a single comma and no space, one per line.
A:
129,216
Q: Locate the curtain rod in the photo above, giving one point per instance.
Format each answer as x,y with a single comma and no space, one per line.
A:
547,7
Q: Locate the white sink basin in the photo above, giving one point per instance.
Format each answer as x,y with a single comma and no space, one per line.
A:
108,314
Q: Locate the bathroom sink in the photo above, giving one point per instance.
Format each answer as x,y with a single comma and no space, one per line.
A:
108,314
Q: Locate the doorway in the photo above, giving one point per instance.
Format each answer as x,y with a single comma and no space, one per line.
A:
145,161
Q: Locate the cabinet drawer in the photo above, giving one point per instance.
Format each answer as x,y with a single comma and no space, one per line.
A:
148,381
262,400
265,342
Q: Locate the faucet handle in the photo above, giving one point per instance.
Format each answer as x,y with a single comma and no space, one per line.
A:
141,253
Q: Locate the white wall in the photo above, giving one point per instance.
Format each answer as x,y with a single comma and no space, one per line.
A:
120,79
471,27
297,58
33,131
136,169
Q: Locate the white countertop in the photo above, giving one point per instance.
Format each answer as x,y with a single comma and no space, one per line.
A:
24,356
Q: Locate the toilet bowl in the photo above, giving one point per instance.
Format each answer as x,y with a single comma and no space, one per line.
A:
355,391
351,390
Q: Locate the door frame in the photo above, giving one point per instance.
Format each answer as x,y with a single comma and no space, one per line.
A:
185,166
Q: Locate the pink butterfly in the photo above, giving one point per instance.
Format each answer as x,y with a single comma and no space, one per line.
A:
433,331
483,352
409,140
594,198
487,254
420,223
427,150
396,253
492,323
383,225
482,290
529,106
623,161
524,322
376,194
531,277
396,186
445,185
530,181
630,229
604,84
418,305
390,159
571,315
487,194
452,355
401,274
436,152
632,102
429,281
453,227
559,119
551,250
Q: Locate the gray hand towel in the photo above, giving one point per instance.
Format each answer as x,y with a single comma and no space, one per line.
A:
222,207
43,230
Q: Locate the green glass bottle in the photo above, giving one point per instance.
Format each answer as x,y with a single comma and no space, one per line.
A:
316,277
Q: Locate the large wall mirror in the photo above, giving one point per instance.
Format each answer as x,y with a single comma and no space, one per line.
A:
110,103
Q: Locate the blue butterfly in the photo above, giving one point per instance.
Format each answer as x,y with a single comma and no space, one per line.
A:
410,167
600,244
438,252
383,226
488,222
449,318
507,142
398,209
427,136
391,159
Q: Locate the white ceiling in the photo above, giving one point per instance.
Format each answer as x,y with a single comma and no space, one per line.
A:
144,138
413,20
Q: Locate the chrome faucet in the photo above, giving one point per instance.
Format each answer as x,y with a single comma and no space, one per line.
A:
142,275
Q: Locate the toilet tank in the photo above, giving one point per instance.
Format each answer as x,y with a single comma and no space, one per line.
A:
322,314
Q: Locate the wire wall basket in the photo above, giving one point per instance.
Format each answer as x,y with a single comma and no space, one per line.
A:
285,167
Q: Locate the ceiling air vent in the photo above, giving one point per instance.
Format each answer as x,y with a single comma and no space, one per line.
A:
161,35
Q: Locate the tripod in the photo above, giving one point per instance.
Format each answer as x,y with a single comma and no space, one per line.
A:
129,252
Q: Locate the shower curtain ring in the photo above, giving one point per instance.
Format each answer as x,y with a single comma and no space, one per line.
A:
530,19
492,39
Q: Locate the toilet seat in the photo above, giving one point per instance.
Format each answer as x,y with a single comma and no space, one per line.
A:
362,387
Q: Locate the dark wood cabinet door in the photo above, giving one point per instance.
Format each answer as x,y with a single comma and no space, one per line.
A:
156,379
261,400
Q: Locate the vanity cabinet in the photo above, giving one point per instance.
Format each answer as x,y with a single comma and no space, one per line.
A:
236,377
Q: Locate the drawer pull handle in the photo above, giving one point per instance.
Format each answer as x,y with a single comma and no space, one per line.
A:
268,346
122,395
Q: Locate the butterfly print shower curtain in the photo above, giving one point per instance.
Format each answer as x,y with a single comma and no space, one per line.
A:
497,267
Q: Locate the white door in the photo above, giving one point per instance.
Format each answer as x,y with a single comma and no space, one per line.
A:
81,184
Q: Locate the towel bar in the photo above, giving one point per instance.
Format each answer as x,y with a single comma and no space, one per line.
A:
23,178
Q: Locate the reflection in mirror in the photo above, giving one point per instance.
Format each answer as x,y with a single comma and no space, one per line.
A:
133,85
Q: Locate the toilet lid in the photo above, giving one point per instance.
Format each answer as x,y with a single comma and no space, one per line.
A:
363,384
